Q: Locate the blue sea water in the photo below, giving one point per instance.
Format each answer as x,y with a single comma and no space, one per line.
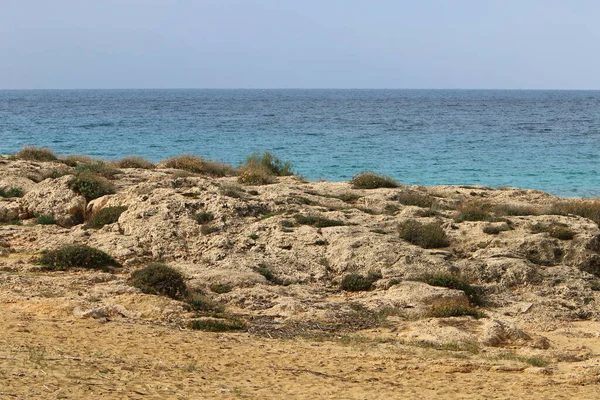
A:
548,140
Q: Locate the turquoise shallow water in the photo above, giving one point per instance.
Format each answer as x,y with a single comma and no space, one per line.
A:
548,140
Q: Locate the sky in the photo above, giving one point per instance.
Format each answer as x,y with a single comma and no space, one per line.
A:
443,44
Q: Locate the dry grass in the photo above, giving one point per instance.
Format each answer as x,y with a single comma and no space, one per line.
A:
589,209
427,236
198,165
32,153
134,162
371,180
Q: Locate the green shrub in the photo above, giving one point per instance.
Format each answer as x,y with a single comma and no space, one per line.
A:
207,229
91,186
77,256
105,216
514,210
216,325
358,282
371,180
255,175
562,233
98,168
316,221
414,198
32,153
11,192
221,288
589,209
134,162
452,309
492,229
160,279
199,302
427,236
45,219
233,191
473,211
73,160
348,197
452,282
204,217
198,165
269,275
270,162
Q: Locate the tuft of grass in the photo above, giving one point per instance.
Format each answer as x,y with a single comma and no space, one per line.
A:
73,160
221,288
45,219
269,275
453,282
105,216
534,361
90,185
207,229
160,279
32,153
204,217
514,210
556,230
253,236
98,168
198,165
255,175
233,191
453,309
492,229
371,180
217,325
77,256
358,282
427,236
317,221
11,192
589,209
473,211
199,302
270,162
134,162
414,198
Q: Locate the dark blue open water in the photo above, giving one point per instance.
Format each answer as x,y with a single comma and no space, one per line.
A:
548,140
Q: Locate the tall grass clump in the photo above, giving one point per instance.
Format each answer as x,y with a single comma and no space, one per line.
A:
589,209
105,216
427,236
90,185
160,279
77,256
371,180
198,165
134,162
32,153
473,211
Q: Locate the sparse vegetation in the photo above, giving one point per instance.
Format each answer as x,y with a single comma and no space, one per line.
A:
204,217
134,162
494,229
160,279
473,211
199,302
371,180
414,198
233,191
270,162
555,229
45,219
105,216
217,325
358,282
454,309
198,165
269,275
77,256
91,186
32,153
427,236
207,229
514,210
221,288
11,192
534,361
589,209
99,168
453,282
317,221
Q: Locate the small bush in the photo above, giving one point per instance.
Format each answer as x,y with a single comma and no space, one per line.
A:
53,173
198,165
77,256
414,198
11,192
233,191
221,288
452,282
160,279
371,180
427,236
216,325
91,186
473,211
207,229
98,168
358,282
270,162
199,302
204,217
454,310
45,219
589,209
105,216
32,153
255,175
348,197
514,210
316,221
134,162
562,233
269,275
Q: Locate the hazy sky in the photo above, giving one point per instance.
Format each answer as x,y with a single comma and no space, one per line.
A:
300,44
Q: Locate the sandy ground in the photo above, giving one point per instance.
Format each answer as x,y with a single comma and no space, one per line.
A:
49,357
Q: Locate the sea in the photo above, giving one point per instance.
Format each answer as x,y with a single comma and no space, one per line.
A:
538,139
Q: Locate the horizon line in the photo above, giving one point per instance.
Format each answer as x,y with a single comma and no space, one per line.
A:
297,88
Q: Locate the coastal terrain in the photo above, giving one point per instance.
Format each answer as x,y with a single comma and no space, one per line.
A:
274,286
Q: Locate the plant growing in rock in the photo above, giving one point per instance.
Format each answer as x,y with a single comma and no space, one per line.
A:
198,165
98,167
45,219
270,162
32,153
160,279
453,282
358,282
77,256
473,211
11,192
217,325
204,217
371,180
91,186
454,309
105,216
589,209
427,236
414,198
494,229
134,162
317,221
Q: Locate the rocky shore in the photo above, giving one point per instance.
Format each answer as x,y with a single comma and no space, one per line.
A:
463,280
